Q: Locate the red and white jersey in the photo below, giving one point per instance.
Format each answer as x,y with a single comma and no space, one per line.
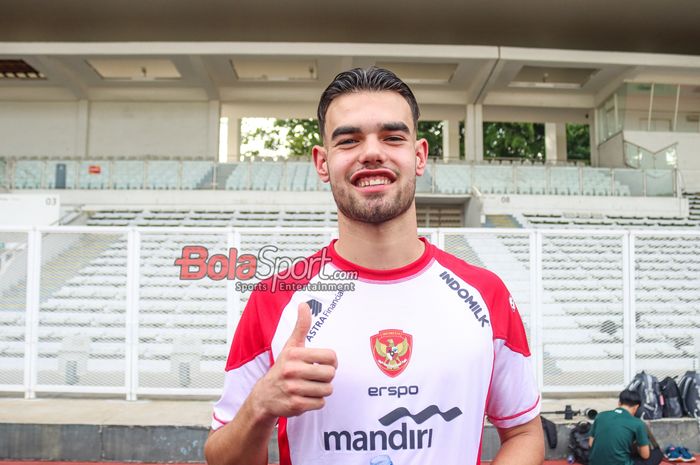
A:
424,353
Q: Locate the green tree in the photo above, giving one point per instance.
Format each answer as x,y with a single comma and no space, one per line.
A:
432,132
578,142
514,140
296,136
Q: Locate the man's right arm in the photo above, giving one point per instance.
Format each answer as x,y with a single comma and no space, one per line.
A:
644,451
243,440
296,383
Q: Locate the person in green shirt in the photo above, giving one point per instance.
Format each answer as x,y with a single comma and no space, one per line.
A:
614,432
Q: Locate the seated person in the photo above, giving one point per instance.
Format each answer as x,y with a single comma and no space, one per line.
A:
614,432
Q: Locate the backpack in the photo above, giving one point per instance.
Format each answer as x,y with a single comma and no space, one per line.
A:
578,442
647,386
672,398
550,432
690,394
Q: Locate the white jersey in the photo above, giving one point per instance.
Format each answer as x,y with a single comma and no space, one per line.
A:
424,353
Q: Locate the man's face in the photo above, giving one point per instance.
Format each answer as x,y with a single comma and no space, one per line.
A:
371,156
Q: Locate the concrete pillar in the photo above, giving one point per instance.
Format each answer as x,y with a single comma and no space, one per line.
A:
82,124
234,137
212,152
450,140
479,132
555,142
469,136
474,127
593,138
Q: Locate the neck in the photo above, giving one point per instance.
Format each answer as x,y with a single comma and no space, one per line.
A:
629,409
383,246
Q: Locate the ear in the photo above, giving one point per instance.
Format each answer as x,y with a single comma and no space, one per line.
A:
421,156
319,155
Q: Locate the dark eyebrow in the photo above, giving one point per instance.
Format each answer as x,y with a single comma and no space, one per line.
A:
393,126
398,126
344,130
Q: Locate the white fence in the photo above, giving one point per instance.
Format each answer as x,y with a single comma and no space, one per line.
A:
104,310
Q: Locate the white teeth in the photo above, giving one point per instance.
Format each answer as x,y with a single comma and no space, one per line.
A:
373,181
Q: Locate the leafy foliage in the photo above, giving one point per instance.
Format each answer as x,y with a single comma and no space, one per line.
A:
294,136
514,140
578,142
432,132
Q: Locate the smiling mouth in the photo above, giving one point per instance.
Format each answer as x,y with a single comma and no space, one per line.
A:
373,181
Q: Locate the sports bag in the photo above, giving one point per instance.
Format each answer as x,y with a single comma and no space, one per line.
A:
578,442
672,398
689,387
647,386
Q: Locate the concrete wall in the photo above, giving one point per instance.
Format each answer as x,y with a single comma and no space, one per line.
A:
548,204
688,151
611,154
38,129
688,145
98,129
149,128
195,198
182,444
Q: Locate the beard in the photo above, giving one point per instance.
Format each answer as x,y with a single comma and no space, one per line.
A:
376,208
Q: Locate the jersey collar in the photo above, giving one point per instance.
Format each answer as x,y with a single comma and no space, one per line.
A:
393,274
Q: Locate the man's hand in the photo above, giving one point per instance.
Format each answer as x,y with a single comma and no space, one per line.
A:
298,381
300,378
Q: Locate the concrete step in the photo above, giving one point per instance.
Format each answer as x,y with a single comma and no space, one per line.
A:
157,431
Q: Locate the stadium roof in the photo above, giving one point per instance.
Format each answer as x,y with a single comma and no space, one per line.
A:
541,53
651,26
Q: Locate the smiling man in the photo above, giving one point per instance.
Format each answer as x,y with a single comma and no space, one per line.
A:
404,368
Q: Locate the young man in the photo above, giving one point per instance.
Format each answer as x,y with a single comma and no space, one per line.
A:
614,432
403,368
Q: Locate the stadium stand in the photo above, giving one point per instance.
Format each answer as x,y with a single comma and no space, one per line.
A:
582,318
128,174
439,177
28,174
94,175
4,174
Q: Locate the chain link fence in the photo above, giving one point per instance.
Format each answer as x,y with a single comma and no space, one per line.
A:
667,303
13,301
182,318
81,325
507,254
582,310
113,310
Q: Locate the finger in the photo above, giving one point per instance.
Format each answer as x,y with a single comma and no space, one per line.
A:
320,356
308,372
301,329
299,405
309,389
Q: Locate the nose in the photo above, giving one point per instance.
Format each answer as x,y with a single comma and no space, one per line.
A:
372,152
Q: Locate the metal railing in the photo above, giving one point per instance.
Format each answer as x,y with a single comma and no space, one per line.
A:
454,178
105,310
637,156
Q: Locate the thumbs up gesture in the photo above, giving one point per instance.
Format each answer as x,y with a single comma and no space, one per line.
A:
300,378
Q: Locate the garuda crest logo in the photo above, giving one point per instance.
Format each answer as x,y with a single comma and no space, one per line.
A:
391,350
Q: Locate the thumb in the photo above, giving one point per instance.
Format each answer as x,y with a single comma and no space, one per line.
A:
298,337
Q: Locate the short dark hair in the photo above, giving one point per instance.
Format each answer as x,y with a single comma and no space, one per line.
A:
371,79
630,398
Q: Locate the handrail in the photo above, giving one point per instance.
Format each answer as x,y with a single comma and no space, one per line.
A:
648,150
508,175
